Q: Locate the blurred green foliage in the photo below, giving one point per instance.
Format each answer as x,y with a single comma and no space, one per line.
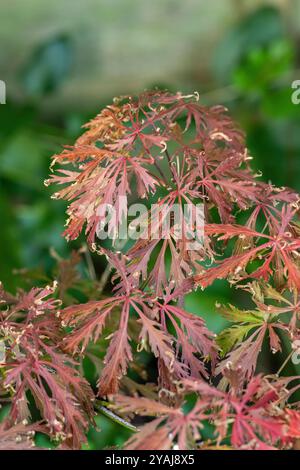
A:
257,60
48,67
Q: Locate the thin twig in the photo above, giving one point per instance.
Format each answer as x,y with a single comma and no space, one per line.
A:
89,262
104,278
285,363
160,172
106,273
117,419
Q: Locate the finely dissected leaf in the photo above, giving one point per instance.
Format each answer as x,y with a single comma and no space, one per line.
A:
277,251
250,411
179,354
242,342
171,152
231,336
17,437
34,363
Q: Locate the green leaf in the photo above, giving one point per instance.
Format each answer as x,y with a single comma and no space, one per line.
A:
233,314
229,337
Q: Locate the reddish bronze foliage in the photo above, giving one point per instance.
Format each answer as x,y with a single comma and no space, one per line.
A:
250,416
34,363
167,150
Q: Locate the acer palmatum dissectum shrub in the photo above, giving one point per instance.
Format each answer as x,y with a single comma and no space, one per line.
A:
168,151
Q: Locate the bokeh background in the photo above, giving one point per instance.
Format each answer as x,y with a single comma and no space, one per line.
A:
63,60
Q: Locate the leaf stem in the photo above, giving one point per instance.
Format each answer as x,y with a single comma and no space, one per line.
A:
117,419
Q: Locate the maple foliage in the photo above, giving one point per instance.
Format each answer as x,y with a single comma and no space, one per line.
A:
17,437
88,321
33,363
167,151
252,417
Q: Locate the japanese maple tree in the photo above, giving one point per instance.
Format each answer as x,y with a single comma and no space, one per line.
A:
167,152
